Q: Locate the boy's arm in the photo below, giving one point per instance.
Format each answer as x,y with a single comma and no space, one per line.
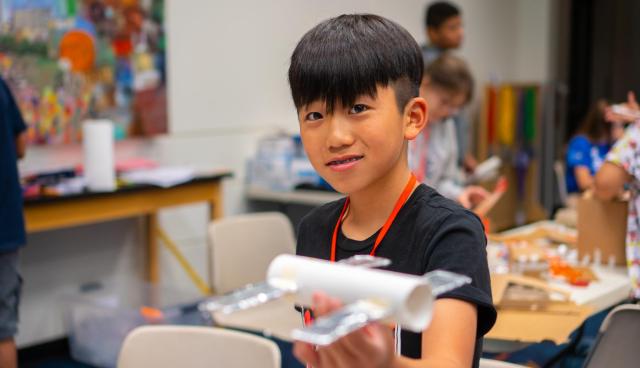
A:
14,117
450,339
448,342
21,145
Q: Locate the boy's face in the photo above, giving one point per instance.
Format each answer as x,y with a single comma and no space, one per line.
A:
355,146
442,103
449,35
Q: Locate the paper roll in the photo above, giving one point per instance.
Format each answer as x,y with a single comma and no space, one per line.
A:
408,297
99,160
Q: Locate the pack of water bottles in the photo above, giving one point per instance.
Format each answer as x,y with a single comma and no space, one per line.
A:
280,164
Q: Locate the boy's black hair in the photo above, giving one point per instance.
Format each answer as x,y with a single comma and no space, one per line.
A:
350,56
438,13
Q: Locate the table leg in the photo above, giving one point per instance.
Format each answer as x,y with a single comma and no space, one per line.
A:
215,205
153,258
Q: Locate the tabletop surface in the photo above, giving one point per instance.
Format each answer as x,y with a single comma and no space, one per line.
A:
132,188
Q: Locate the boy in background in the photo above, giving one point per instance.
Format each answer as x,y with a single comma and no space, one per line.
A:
444,29
355,82
445,32
447,85
12,232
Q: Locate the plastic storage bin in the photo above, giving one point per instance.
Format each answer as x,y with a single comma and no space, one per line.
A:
99,319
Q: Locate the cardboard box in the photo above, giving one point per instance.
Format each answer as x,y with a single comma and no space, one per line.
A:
602,226
511,210
536,317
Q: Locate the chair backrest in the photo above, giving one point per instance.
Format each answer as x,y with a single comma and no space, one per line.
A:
243,246
561,181
617,343
196,347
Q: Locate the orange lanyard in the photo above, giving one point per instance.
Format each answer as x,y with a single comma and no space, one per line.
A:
399,203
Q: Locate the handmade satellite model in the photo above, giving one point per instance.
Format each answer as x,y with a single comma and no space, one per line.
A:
368,294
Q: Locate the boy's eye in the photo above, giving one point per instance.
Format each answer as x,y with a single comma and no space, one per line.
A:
358,108
313,116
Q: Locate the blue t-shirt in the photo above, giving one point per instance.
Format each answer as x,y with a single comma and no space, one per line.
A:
12,232
582,152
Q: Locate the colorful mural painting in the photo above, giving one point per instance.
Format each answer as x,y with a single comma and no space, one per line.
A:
70,60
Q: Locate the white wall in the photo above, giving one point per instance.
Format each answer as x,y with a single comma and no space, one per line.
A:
533,41
227,68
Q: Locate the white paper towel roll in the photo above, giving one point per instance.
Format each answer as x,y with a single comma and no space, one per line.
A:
99,160
408,297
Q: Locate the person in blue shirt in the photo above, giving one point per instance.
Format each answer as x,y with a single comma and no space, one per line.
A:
587,149
12,230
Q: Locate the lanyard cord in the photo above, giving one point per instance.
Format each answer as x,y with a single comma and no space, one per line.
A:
385,228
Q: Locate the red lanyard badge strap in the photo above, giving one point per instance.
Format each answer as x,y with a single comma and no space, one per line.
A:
408,189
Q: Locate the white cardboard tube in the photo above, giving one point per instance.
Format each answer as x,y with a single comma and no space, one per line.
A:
99,157
409,297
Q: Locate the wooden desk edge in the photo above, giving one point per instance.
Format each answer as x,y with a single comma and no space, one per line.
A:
81,211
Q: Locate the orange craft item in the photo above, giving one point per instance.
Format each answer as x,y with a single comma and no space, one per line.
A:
573,276
151,314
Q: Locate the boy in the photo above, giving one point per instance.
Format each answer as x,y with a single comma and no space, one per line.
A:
12,233
447,85
444,28
445,32
355,83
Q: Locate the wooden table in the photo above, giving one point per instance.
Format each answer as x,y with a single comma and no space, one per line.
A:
612,287
514,328
49,213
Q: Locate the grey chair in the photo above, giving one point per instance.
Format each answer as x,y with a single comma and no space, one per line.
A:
618,343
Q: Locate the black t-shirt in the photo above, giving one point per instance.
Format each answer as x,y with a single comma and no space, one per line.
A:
429,233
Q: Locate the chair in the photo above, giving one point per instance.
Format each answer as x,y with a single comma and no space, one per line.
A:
490,363
558,168
196,347
617,343
243,246
568,213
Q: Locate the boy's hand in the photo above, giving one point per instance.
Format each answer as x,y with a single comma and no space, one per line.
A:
472,196
370,346
470,163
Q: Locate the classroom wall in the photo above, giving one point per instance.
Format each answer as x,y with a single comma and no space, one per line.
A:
535,49
227,88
